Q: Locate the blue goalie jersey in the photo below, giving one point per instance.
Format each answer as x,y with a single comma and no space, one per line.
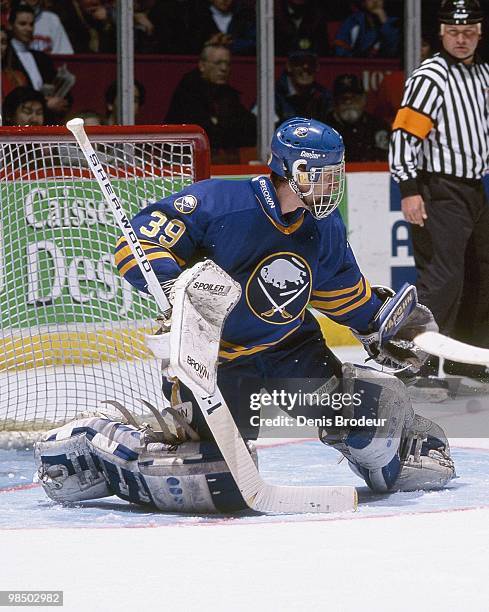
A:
283,262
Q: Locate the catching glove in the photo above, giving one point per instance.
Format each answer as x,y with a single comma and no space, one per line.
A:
399,320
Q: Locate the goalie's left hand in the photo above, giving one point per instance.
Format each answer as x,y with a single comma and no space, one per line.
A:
400,319
401,351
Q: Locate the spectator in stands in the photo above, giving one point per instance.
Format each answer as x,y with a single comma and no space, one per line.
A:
24,106
11,78
301,24
369,32
4,13
297,93
111,102
145,30
35,65
204,97
90,24
233,21
184,26
49,33
174,26
366,137
391,90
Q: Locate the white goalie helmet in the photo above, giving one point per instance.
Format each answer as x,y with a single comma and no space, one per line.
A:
311,155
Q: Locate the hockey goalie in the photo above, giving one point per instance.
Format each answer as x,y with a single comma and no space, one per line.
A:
278,244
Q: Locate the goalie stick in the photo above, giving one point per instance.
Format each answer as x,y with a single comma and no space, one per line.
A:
257,494
448,348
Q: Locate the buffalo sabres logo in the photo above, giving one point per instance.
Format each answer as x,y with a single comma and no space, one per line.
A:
186,204
301,132
279,288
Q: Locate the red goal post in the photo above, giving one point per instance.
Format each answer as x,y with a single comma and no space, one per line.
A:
71,330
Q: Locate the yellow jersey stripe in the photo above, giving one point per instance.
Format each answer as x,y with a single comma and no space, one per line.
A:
354,306
333,304
148,244
128,266
126,252
242,351
338,292
148,247
230,345
121,241
131,263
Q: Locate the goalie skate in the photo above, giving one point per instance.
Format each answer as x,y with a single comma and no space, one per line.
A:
425,457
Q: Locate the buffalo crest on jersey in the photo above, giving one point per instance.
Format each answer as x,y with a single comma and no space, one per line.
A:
279,288
186,204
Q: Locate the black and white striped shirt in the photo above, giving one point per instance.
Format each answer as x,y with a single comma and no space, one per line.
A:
443,123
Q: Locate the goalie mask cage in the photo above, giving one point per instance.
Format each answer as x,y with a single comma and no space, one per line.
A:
72,330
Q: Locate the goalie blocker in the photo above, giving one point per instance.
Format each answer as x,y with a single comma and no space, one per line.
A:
390,337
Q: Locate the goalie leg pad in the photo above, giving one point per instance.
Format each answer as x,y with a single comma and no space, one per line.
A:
95,457
88,459
372,452
192,477
422,464
411,454
384,400
68,469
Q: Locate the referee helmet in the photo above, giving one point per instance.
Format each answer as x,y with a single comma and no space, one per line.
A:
460,12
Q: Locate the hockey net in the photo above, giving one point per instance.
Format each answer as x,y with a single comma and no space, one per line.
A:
71,329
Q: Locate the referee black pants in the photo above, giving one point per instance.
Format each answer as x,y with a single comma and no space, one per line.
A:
451,253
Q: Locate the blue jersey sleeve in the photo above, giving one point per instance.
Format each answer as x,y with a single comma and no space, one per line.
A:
344,41
341,291
169,231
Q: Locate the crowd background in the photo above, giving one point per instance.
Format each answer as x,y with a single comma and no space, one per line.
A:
339,62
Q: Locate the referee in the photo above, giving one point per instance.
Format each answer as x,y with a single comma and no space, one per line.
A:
439,152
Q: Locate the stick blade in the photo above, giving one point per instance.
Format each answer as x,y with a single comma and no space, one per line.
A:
303,500
448,348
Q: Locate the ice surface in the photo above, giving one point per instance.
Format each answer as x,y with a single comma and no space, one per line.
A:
296,463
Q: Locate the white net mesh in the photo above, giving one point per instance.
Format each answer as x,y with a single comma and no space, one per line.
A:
71,330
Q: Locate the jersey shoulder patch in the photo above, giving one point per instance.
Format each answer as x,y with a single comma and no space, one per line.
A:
186,204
